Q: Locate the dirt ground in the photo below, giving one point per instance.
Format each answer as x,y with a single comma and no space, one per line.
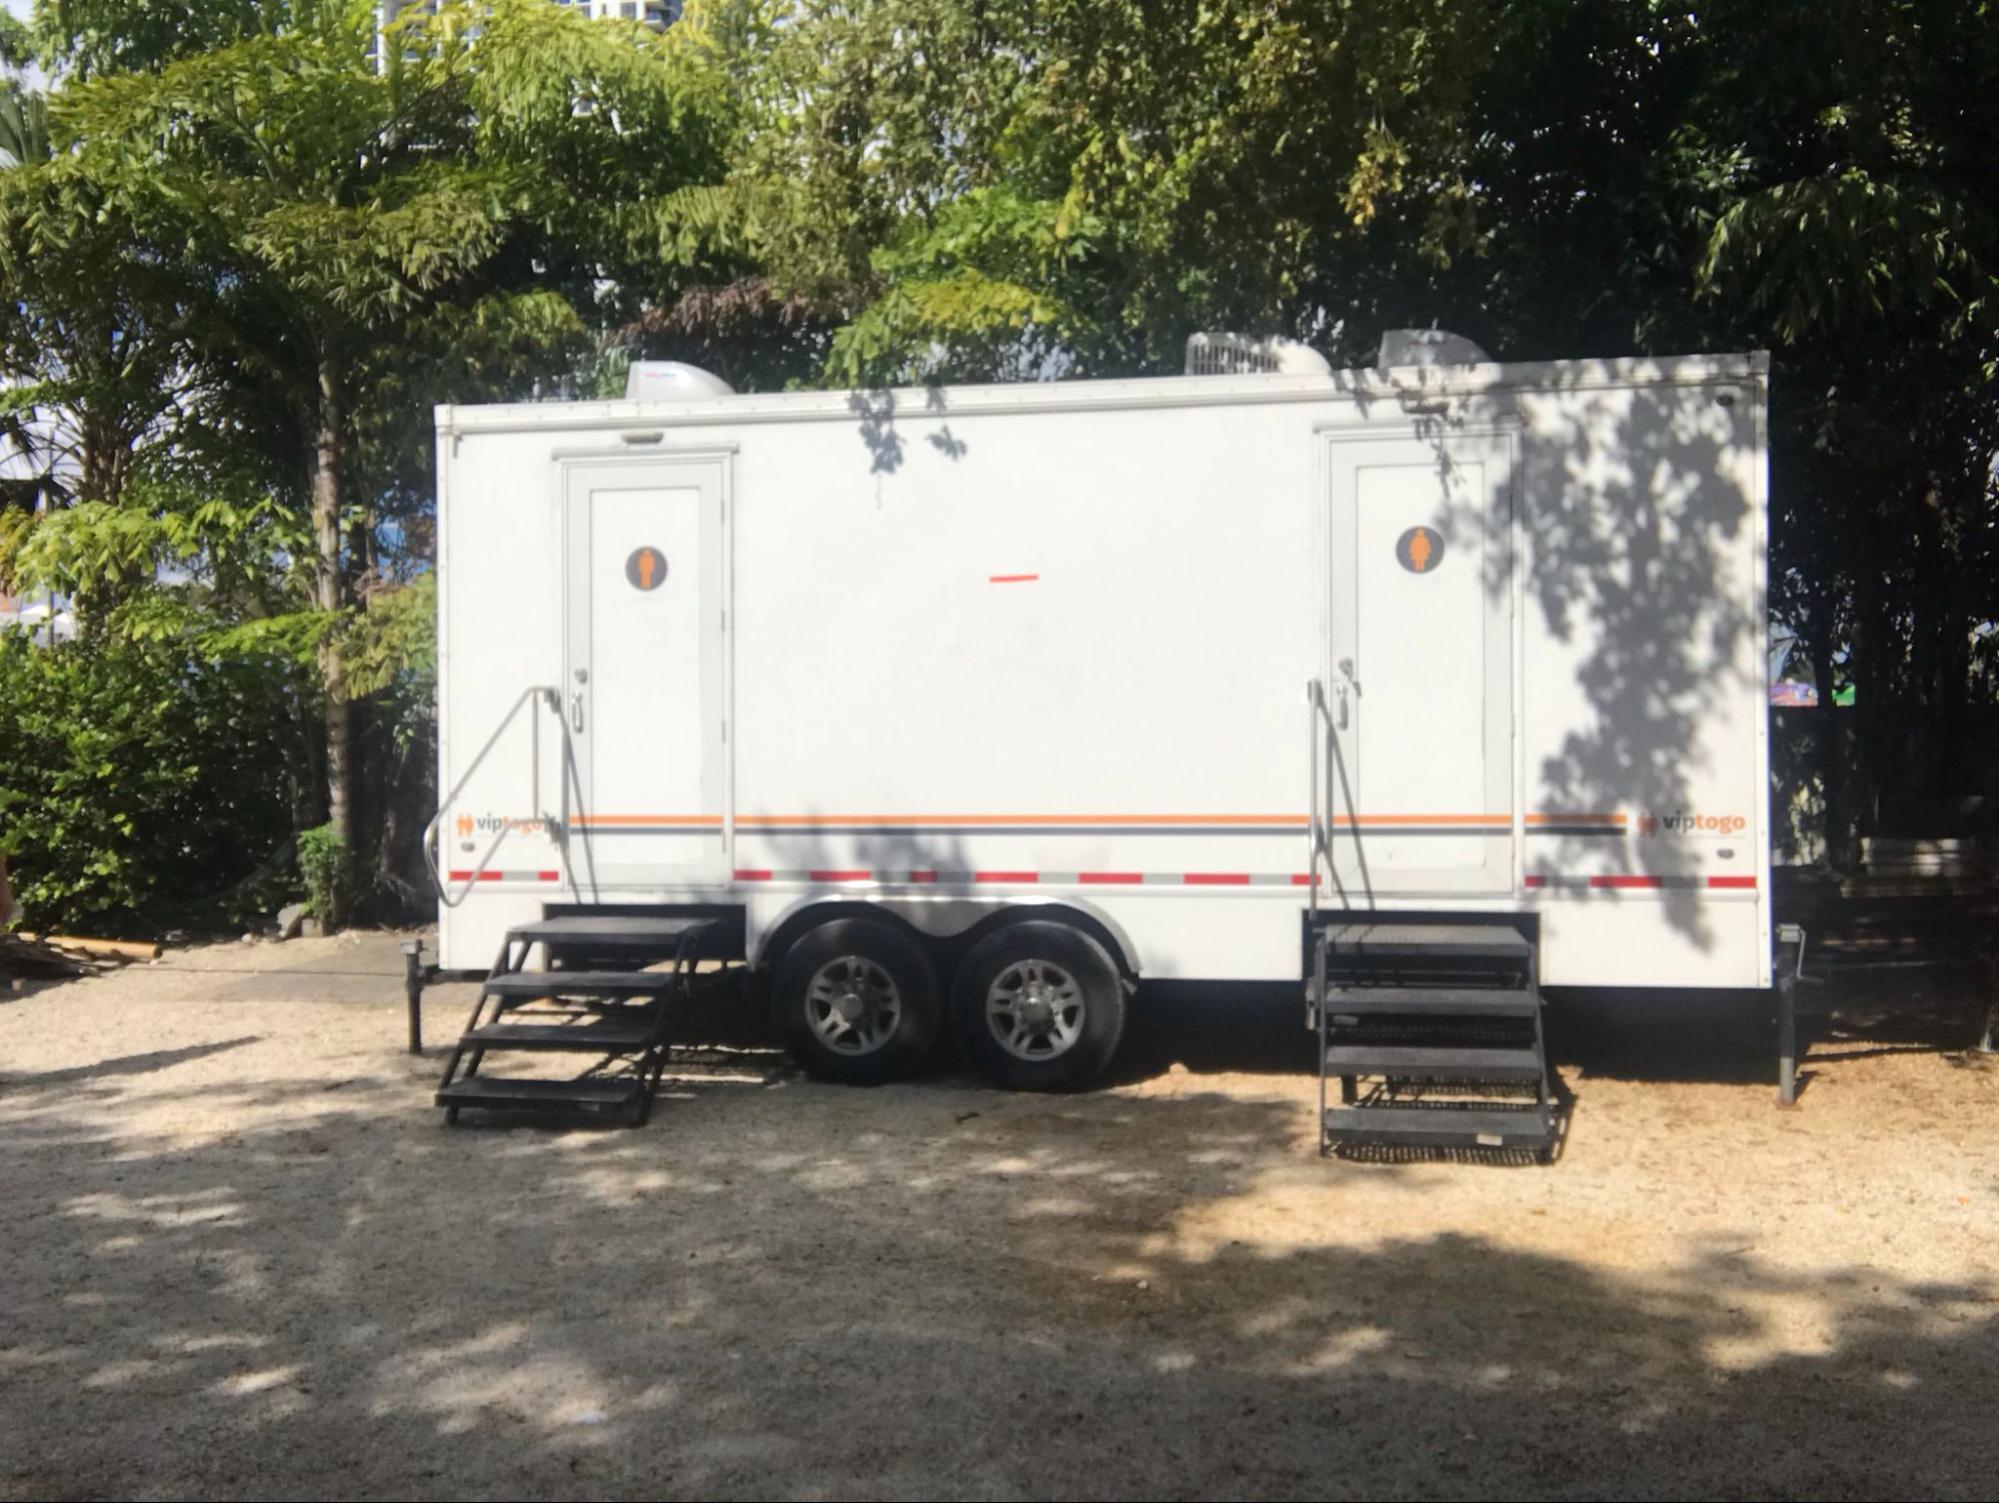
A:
243,1257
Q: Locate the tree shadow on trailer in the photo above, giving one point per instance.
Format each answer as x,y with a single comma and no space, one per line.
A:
1623,531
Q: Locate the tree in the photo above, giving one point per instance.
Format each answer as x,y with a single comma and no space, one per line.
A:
367,238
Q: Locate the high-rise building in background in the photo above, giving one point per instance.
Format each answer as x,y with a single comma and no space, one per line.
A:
655,13
658,14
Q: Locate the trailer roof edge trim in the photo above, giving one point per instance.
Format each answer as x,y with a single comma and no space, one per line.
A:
1085,396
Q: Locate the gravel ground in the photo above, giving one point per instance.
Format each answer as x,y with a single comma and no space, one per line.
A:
244,1258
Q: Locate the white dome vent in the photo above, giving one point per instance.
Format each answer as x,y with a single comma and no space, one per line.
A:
1249,355
1401,347
672,381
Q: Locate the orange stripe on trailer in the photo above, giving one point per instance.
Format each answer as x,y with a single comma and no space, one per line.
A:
707,821
1444,821
1001,821
1215,879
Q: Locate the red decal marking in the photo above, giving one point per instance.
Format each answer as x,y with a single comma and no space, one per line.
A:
838,876
752,876
1731,881
1625,881
1006,876
1216,879
1110,876
1012,578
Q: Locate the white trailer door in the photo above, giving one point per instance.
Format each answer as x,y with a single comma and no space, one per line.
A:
1419,669
643,685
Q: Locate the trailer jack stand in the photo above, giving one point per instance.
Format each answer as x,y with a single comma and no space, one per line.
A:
415,974
1790,972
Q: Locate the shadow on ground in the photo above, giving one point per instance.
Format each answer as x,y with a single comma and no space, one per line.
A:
782,1290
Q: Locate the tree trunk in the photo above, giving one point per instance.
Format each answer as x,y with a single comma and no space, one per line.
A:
330,596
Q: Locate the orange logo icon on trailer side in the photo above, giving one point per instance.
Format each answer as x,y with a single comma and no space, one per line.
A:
646,569
1420,549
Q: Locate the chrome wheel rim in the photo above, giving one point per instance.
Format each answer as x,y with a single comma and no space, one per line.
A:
853,1005
1035,1010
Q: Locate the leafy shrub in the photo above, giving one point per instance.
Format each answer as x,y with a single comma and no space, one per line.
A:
323,863
145,785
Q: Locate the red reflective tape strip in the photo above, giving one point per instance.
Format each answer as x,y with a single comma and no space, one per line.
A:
1303,879
1216,879
929,876
1110,876
1731,881
750,875
1626,881
460,876
548,876
1006,876
838,875
1537,881
1011,578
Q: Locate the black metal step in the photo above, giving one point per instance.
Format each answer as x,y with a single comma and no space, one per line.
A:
1462,1001
532,984
592,1096
1438,1127
1444,1063
584,1038
1456,943
639,933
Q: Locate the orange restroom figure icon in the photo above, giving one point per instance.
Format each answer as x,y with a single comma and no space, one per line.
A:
646,569
1420,549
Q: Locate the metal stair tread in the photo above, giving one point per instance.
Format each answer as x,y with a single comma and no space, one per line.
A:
591,1094
578,983
1465,1001
1454,942
602,931
1425,1126
1446,1062
588,1038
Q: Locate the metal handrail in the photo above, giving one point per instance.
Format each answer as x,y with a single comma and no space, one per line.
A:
430,831
1319,843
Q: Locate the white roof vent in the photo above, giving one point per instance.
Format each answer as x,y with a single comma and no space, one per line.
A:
1247,355
1427,347
671,381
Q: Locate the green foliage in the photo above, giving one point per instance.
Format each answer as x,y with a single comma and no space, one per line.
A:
326,866
142,784
1090,180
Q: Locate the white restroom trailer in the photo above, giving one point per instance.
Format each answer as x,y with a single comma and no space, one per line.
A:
1026,682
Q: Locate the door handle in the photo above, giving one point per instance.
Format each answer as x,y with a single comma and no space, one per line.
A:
576,711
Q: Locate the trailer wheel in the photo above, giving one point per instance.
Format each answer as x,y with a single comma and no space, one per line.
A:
1039,1006
856,1001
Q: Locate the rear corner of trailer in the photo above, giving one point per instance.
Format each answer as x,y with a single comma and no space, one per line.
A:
1644,714
498,630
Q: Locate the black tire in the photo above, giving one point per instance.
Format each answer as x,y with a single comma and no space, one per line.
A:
1062,1047
861,961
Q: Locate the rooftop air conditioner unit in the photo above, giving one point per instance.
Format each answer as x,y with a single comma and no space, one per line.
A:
1249,355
